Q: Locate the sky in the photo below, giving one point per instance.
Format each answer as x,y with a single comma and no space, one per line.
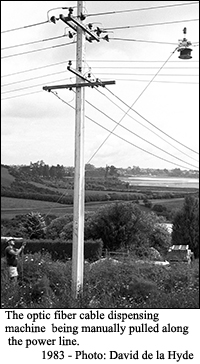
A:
154,99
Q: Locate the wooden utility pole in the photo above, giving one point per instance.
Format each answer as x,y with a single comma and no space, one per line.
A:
79,178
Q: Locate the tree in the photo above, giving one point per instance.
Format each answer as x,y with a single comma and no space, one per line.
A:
34,226
124,225
186,225
114,224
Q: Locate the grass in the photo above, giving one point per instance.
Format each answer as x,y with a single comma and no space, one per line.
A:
44,283
11,207
6,178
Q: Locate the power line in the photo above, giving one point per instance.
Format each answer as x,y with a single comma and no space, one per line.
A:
118,74
13,97
131,61
174,82
146,127
34,69
25,26
33,42
130,107
127,67
148,74
122,126
55,94
150,25
142,9
141,40
38,50
33,78
139,67
124,80
25,88
152,123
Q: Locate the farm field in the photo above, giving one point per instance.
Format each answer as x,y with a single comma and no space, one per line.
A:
170,204
11,207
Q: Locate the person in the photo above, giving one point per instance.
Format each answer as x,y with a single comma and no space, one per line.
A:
12,258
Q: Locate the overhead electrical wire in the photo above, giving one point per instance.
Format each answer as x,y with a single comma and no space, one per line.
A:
174,82
32,86
147,74
14,97
150,25
145,67
25,26
33,42
130,107
65,62
33,69
55,94
141,40
146,127
38,50
152,123
33,78
127,67
120,11
137,61
60,80
117,74
130,131
142,9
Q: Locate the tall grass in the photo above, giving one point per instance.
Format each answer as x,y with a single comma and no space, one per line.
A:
44,283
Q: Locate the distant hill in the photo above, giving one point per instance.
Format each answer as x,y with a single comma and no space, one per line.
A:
6,178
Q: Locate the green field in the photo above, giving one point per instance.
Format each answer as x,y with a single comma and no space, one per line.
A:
6,178
11,207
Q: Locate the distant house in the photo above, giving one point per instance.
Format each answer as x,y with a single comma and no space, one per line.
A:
180,253
166,225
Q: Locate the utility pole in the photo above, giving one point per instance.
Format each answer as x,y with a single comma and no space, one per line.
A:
79,177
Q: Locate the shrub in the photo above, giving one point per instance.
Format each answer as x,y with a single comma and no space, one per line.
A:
186,225
56,226
34,226
47,284
159,208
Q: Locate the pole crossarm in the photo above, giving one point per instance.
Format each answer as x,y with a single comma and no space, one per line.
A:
81,84
77,73
69,20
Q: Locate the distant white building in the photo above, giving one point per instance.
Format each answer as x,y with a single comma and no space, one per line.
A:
167,226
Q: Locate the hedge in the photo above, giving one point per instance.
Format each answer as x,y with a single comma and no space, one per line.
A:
60,250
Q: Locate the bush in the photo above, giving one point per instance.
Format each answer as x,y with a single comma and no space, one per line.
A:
56,226
34,226
186,225
159,208
45,283
59,249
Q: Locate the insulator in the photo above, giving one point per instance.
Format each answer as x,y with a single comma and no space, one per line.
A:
82,17
98,31
53,19
106,38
